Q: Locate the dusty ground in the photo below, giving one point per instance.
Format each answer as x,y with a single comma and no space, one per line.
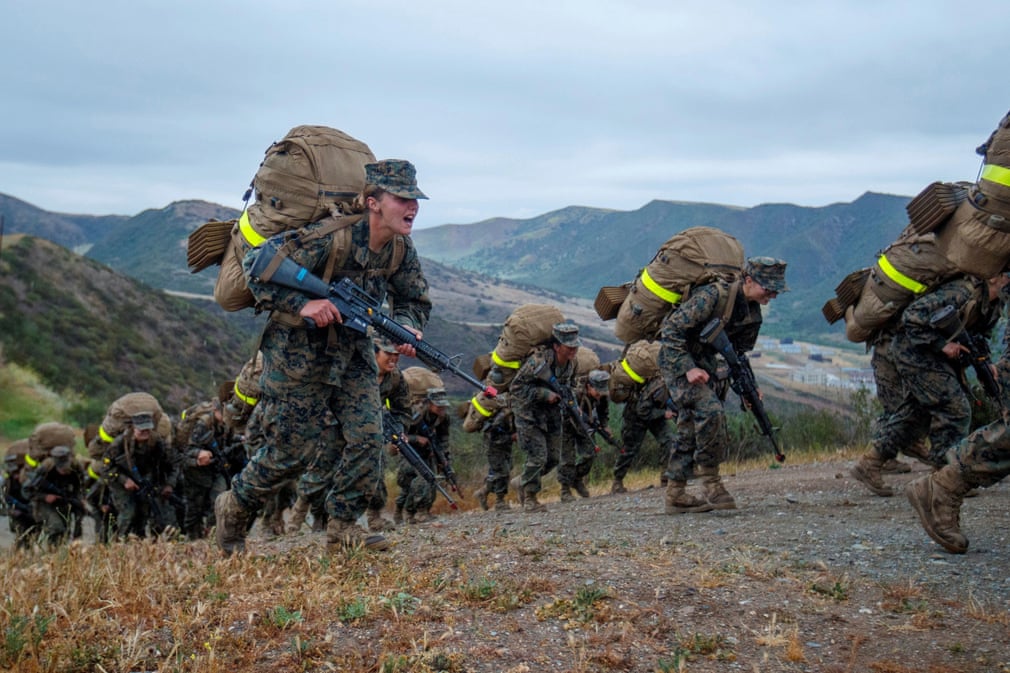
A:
811,573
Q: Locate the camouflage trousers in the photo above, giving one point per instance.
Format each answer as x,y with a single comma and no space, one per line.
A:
416,494
136,515
933,403
498,449
984,456
542,444
300,430
200,487
575,459
633,431
57,523
702,437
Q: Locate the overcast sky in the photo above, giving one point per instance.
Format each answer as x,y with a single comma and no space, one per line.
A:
507,109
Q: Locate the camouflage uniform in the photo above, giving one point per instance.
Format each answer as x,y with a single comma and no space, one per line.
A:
19,510
56,492
153,461
314,378
99,498
578,451
416,495
702,437
497,439
933,394
539,421
203,483
980,460
648,409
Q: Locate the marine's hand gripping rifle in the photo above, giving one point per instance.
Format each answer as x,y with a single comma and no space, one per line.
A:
741,380
358,309
392,432
947,323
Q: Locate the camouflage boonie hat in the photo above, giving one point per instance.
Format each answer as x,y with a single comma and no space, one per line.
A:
600,380
437,396
395,176
386,346
768,272
143,421
567,334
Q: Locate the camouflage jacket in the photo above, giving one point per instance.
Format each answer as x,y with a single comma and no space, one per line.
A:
650,401
395,396
154,460
529,390
917,342
294,356
680,348
46,479
425,424
596,412
206,433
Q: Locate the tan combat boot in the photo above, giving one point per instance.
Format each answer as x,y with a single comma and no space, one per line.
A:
919,451
894,466
618,486
398,515
517,484
581,488
715,492
867,471
566,493
348,535
298,513
531,504
501,505
481,495
937,499
377,522
678,501
232,523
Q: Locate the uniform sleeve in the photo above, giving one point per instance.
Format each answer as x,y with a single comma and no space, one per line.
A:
407,291
271,297
526,388
201,438
916,317
682,325
399,402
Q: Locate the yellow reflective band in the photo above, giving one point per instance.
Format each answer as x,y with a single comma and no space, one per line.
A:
92,473
481,410
29,461
248,399
108,439
631,372
253,237
511,364
997,174
658,290
898,277
388,405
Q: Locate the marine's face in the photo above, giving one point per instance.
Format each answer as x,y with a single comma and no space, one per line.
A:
565,354
387,361
754,291
395,212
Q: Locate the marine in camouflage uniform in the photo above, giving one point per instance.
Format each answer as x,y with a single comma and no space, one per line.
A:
207,464
537,409
429,424
927,362
56,492
689,368
141,469
19,510
578,451
980,460
648,410
497,439
890,393
320,382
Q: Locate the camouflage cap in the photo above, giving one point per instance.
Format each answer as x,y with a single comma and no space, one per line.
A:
437,396
386,346
61,454
395,176
567,334
143,421
768,272
600,380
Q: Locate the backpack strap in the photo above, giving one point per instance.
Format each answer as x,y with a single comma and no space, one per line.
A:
724,307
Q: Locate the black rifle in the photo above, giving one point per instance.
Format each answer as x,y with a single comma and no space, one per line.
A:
569,405
441,459
358,309
947,322
76,504
148,493
14,503
741,379
392,431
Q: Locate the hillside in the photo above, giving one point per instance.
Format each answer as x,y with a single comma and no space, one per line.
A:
93,334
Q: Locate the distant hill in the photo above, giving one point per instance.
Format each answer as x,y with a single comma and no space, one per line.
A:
70,231
93,334
577,250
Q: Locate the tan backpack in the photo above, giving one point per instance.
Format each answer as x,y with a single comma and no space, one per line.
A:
311,173
187,420
419,380
44,437
692,257
639,363
120,414
993,186
527,327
